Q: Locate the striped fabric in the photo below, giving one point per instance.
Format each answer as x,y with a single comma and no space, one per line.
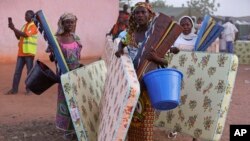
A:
208,33
160,37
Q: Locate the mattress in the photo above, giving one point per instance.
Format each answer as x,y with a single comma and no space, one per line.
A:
102,96
205,96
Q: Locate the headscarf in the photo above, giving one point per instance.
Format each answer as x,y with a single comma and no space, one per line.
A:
64,17
132,22
60,30
144,4
132,27
192,34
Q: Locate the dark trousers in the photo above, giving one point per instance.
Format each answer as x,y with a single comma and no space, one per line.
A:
21,61
230,47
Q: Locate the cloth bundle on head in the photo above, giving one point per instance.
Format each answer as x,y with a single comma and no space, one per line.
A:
64,17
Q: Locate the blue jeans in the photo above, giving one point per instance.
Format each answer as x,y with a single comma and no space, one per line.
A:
21,61
230,46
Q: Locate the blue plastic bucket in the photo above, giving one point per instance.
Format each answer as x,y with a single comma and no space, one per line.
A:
164,87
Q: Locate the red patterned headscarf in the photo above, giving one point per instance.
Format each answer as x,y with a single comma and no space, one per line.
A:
132,23
144,4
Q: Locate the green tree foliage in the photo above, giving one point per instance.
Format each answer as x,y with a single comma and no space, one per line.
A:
160,3
204,6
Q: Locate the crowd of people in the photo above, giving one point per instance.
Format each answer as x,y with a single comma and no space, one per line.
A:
130,27
141,127
223,44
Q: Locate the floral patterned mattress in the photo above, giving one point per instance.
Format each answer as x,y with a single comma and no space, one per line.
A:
205,96
242,50
102,96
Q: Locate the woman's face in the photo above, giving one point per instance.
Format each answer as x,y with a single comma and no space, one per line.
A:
186,25
141,15
69,25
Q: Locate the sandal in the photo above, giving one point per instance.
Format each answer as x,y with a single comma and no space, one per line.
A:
11,91
172,135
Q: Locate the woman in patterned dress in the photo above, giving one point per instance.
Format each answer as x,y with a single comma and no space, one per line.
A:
141,128
71,48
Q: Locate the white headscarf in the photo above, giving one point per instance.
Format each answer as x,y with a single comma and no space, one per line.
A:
192,34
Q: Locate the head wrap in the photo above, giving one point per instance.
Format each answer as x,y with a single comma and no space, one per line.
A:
65,16
192,34
191,20
144,4
132,23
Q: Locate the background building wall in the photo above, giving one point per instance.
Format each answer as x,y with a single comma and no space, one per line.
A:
95,18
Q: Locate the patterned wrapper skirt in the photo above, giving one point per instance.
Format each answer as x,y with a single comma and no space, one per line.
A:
63,119
141,128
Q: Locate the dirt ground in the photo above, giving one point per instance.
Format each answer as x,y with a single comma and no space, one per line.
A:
31,118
